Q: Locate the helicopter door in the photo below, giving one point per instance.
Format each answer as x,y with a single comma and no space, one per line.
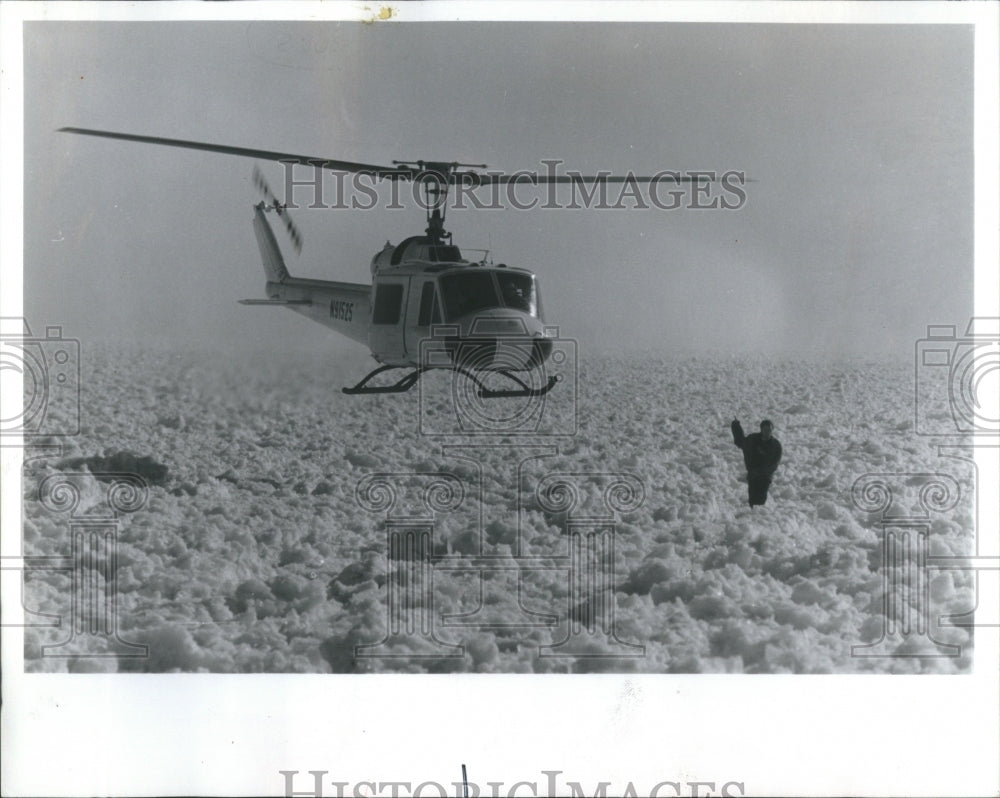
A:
385,336
422,312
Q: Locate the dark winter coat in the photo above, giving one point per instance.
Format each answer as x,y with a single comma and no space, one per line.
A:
761,457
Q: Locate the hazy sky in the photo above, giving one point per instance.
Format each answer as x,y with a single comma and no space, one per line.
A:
856,233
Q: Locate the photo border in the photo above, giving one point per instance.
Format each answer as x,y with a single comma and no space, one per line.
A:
233,734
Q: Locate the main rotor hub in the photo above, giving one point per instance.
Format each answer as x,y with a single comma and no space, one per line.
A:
435,177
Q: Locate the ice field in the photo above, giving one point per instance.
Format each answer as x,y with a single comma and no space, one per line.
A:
286,527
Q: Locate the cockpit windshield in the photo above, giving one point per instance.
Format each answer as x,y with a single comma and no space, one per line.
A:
471,291
518,291
468,292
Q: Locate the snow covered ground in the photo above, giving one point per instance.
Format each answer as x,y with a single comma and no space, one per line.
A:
263,544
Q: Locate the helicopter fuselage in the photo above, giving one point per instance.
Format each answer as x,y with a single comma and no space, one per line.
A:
457,313
426,307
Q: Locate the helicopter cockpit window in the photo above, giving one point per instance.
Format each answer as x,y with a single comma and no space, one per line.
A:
518,291
388,303
468,292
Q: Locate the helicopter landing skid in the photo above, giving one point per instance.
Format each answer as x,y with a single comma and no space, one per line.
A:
524,390
404,383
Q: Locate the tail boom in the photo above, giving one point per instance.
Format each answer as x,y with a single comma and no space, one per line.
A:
341,306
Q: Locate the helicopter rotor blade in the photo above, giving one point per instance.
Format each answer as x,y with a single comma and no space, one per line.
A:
268,155
532,178
440,172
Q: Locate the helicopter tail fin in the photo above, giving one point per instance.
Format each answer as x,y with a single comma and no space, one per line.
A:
274,264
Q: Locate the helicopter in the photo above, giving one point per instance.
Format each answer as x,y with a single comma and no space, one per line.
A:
429,306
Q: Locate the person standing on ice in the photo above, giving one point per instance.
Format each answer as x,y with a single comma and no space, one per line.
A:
761,454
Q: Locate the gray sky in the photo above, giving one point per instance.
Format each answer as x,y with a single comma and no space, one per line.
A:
856,234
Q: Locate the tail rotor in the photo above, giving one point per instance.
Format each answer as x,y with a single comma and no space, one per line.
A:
272,203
